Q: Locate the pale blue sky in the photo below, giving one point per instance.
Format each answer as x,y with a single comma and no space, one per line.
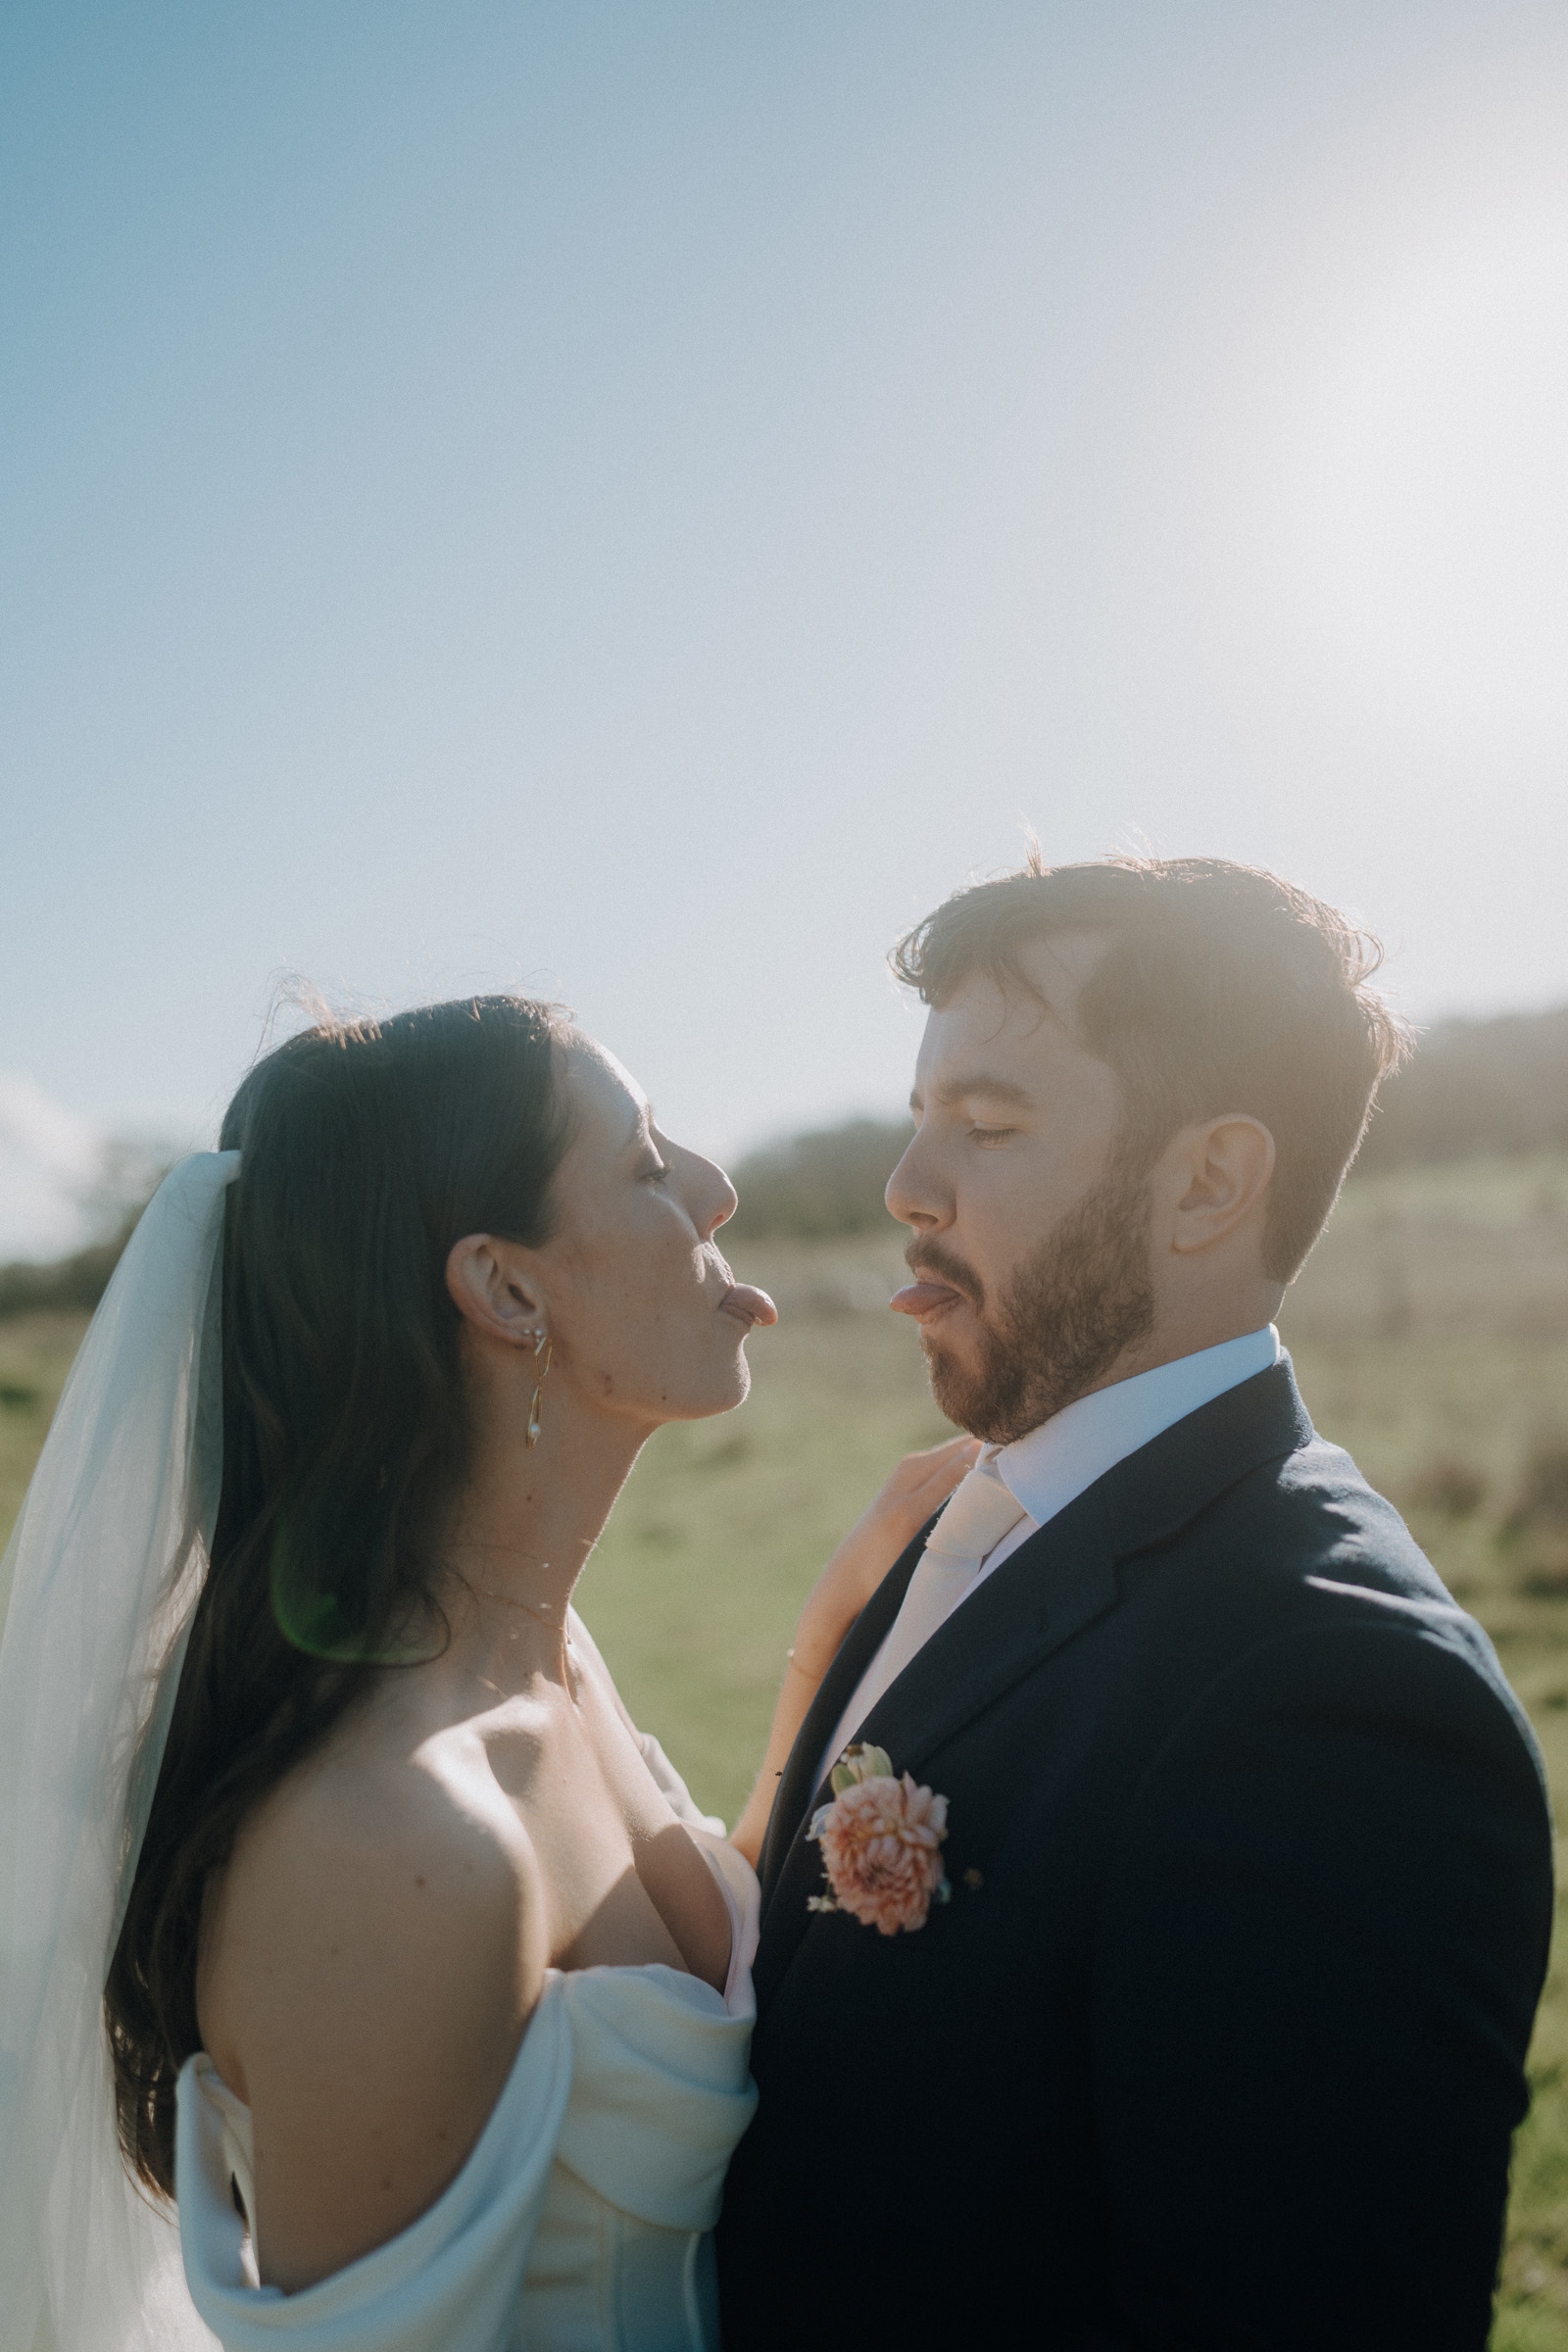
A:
641,500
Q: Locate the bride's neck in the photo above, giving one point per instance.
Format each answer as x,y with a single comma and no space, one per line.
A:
524,1520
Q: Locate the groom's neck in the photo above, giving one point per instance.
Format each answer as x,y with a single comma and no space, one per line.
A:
1201,1316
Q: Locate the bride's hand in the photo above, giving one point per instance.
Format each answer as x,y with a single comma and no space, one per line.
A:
918,1487
916,1491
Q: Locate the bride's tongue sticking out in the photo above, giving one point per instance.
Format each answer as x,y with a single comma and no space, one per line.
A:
748,1304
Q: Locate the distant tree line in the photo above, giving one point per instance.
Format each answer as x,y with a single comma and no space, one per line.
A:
819,1186
1475,1087
1470,1088
77,1281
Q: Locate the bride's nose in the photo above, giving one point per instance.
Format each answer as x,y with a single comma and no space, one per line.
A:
715,1199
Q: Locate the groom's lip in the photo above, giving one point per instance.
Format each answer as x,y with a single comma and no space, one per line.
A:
925,1300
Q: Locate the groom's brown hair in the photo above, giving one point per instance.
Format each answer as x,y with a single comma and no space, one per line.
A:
1223,988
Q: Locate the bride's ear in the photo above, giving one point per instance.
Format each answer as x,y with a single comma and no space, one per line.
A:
493,1291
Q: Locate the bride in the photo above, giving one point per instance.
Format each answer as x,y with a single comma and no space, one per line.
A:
428,1998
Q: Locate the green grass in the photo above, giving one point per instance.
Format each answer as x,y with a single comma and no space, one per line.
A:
1431,1337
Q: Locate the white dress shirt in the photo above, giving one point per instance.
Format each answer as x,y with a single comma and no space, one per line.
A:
1056,1463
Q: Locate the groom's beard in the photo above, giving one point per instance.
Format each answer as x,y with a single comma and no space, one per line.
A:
1064,1317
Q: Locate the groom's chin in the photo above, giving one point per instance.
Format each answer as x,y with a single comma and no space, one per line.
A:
991,1398
958,1387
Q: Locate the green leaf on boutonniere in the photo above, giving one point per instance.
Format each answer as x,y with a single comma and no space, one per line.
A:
860,1763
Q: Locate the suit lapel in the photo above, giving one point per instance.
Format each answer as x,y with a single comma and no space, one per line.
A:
1054,1585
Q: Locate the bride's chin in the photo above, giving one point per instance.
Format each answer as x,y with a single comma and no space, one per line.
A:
730,1386
740,1380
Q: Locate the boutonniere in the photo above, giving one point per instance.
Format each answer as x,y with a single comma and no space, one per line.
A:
881,1840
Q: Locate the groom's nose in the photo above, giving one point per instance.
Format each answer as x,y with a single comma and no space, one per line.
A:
912,1194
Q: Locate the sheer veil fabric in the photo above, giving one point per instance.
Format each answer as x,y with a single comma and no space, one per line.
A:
105,1566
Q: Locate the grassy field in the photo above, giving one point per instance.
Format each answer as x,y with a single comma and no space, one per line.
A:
1430,1334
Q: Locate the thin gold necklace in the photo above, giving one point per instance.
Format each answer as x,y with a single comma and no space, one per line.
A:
542,1609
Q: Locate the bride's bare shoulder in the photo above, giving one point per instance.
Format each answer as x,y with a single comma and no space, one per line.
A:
368,1860
370,1958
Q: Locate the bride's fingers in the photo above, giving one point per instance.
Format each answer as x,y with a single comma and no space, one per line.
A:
940,1483
940,1469
951,1449
919,1485
923,1483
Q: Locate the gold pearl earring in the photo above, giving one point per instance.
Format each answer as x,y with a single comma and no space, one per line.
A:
543,1345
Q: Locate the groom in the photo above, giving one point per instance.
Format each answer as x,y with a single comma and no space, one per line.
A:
1219,2039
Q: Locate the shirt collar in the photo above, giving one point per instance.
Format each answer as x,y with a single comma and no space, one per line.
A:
1059,1462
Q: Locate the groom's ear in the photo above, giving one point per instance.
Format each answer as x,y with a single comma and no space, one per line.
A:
493,1290
1220,1176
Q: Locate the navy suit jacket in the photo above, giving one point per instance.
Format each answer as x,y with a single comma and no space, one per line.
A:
1220,2041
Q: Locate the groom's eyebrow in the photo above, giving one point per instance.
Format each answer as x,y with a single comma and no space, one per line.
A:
969,1084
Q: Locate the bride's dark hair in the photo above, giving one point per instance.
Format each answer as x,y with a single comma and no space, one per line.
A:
368,1149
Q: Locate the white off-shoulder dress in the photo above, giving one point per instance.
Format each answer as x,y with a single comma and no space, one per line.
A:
580,2221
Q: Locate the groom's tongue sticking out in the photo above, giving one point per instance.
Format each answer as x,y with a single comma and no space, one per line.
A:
1070,1228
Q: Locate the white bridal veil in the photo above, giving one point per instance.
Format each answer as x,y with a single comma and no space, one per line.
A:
105,1565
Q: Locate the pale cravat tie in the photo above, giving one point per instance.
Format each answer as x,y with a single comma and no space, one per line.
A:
979,1512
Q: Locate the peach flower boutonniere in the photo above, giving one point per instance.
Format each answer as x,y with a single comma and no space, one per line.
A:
881,1840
